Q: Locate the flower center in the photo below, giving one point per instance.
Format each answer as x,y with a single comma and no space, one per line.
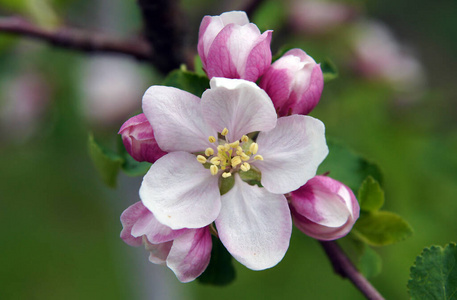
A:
230,157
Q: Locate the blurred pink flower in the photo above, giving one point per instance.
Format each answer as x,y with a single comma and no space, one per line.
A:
186,252
324,208
231,47
294,83
139,141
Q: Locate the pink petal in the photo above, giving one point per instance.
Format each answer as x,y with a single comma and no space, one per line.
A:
291,152
259,58
128,218
176,119
180,192
238,105
158,252
190,254
254,225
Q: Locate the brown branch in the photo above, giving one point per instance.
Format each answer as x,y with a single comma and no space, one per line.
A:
344,267
77,39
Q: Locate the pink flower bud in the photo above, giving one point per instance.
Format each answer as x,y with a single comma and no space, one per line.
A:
231,47
294,83
324,208
139,141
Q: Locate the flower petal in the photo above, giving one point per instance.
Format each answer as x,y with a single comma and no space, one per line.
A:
158,252
176,119
190,254
254,225
238,105
180,192
128,218
291,152
259,58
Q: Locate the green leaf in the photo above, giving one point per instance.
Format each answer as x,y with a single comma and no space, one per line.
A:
226,184
434,274
187,81
270,15
198,66
251,177
370,263
371,195
106,162
329,70
382,228
220,270
347,166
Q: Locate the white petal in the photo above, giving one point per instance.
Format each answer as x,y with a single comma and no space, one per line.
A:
180,192
190,254
176,119
291,152
238,105
254,225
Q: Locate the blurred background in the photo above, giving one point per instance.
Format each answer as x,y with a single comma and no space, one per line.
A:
394,102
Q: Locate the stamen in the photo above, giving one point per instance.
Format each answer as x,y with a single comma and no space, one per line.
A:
215,161
244,139
226,147
258,157
209,151
201,159
245,157
226,174
213,169
224,132
220,149
235,144
211,139
236,160
245,167
254,148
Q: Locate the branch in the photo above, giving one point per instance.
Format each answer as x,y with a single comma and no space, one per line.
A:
344,267
77,39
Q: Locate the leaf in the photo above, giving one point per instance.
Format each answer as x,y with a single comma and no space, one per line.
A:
198,66
270,15
220,270
187,81
106,162
370,263
329,70
226,184
382,228
347,166
371,195
434,274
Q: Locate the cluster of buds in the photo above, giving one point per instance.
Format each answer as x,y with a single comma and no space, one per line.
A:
234,128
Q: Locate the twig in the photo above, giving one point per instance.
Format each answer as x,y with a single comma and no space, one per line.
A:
77,39
344,267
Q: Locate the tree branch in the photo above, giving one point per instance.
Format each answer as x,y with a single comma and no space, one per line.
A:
77,39
344,267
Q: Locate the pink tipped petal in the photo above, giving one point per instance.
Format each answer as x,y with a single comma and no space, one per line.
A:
181,192
128,219
311,97
139,140
158,252
291,152
254,225
259,58
190,254
238,105
177,120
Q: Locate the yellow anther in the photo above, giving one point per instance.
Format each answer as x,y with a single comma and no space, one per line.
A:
215,161
236,160
211,139
224,132
209,151
235,144
258,157
244,139
213,169
226,174
201,159
220,148
245,157
245,167
254,148
226,147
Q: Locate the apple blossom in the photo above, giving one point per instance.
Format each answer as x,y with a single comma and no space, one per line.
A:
186,251
231,47
139,141
210,140
294,82
324,208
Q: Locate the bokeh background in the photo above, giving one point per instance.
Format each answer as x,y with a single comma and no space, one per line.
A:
394,102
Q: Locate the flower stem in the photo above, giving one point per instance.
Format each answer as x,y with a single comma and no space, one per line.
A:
345,268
